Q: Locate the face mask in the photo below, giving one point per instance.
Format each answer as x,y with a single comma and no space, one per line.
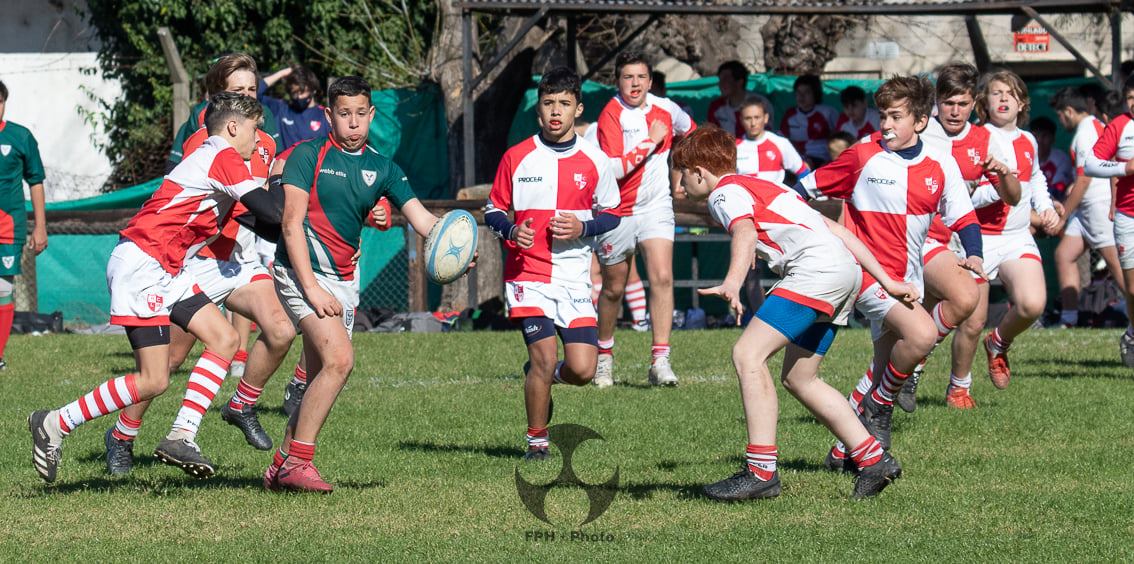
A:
299,104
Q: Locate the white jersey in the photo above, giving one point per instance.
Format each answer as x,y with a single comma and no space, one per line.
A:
623,134
1082,147
997,217
768,156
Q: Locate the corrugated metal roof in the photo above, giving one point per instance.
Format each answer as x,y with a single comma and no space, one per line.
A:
944,7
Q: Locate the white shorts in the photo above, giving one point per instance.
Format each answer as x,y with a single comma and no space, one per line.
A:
931,249
1124,239
220,278
141,291
266,251
620,243
830,289
1092,222
566,306
296,304
999,249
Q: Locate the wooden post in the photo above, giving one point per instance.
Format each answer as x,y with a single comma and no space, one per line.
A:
177,76
1116,49
418,298
468,146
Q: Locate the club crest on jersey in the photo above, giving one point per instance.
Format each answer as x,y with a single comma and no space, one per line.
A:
580,180
607,249
881,294
1028,156
770,154
518,292
368,176
8,261
316,125
974,155
263,152
932,185
154,301
5,149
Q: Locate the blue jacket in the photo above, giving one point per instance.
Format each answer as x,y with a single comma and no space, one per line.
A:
294,127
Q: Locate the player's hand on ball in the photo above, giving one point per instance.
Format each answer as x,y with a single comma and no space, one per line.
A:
566,226
902,291
729,293
324,304
524,235
974,265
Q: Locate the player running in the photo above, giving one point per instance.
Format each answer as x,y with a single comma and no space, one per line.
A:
1010,252
761,152
331,186
893,188
551,182
1086,208
149,288
19,163
1113,157
229,272
950,292
636,129
820,279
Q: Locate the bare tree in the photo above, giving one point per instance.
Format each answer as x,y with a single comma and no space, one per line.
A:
803,44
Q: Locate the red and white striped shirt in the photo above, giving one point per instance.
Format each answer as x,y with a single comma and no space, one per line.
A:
870,124
1022,156
969,148
809,131
1114,147
722,114
192,204
789,233
767,157
891,200
537,182
623,134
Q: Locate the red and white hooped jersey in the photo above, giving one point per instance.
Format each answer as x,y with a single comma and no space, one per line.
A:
1059,173
788,231
767,157
236,242
809,131
1114,147
869,125
1022,156
890,200
1087,134
722,114
537,183
621,128
192,204
969,148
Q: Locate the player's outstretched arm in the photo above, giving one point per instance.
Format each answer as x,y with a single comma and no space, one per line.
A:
742,251
420,218
905,292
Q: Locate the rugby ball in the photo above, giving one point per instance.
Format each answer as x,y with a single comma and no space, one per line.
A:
450,246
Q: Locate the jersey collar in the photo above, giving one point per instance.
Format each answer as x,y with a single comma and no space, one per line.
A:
3,124
335,144
759,139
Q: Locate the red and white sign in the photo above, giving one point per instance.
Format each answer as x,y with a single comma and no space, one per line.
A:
1033,38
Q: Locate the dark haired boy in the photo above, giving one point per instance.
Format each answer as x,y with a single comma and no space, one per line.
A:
551,182
810,122
724,111
331,185
857,118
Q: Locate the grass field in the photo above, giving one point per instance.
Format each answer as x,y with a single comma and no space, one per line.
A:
424,441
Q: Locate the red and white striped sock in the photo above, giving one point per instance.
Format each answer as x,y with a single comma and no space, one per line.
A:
108,397
892,381
537,438
204,382
240,356
606,347
999,343
246,395
126,429
300,450
861,389
944,327
965,382
279,457
839,451
659,351
300,376
636,298
761,460
867,454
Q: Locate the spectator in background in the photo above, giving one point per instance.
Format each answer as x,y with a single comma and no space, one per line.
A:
1096,97
657,88
839,142
1056,165
300,117
724,111
809,124
857,118
762,153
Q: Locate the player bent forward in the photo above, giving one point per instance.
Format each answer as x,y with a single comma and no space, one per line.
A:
820,281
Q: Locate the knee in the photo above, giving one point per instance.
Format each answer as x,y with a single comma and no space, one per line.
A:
1031,307
583,372
338,364
225,342
922,338
746,360
151,384
278,334
964,303
661,280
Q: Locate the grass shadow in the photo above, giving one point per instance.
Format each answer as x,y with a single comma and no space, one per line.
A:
801,465
647,490
492,451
